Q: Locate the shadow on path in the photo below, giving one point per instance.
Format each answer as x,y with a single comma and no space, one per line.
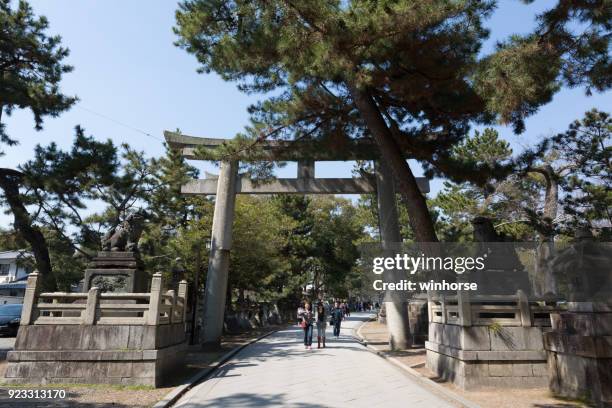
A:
250,400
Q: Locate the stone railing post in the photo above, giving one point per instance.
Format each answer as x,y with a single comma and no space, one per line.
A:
443,307
93,297
523,303
172,294
155,299
30,299
182,298
464,308
430,305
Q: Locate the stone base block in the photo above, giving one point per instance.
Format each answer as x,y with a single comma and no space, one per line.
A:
477,356
121,270
473,375
147,367
580,353
96,354
585,378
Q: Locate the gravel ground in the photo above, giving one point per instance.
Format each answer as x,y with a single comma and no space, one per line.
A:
87,396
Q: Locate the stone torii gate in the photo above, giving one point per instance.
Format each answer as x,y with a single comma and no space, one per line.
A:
229,183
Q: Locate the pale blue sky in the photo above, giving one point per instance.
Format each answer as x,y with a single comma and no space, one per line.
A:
127,69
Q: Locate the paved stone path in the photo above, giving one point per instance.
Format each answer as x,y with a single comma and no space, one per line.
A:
277,371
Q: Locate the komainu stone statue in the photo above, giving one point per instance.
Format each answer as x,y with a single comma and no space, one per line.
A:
125,236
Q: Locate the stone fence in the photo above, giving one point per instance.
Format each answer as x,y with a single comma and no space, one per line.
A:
93,337
95,308
494,340
486,310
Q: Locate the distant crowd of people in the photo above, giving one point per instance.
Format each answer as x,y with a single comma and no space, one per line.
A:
323,313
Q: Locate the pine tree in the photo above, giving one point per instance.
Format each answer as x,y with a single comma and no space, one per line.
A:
392,70
31,66
503,200
569,47
405,73
167,203
56,184
584,169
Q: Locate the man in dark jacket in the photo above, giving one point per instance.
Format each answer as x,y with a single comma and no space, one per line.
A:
337,315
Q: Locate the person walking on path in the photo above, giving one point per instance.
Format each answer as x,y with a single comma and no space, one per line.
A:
306,322
321,317
336,318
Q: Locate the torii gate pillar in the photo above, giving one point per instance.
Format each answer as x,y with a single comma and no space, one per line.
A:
397,312
218,265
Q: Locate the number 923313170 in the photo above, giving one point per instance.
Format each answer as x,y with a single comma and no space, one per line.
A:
37,394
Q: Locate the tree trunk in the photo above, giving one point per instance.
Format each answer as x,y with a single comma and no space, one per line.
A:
419,216
546,282
551,197
9,182
396,308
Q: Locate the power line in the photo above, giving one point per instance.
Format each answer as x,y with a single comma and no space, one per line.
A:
135,129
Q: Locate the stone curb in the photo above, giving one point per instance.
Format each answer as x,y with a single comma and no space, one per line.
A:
179,391
410,371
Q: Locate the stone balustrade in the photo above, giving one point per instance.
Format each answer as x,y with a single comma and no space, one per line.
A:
115,338
486,310
96,308
493,340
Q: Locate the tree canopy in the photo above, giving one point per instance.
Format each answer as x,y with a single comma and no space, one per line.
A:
31,66
406,73
585,152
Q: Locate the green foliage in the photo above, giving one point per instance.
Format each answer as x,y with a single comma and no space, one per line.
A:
502,200
261,231
518,79
53,190
322,245
281,244
132,184
311,53
570,46
407,73
577,161
181,249
484,147
10,240
68,266
335,233
418,61
49,194
31,66
58,183
585,150
179,225
167,204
